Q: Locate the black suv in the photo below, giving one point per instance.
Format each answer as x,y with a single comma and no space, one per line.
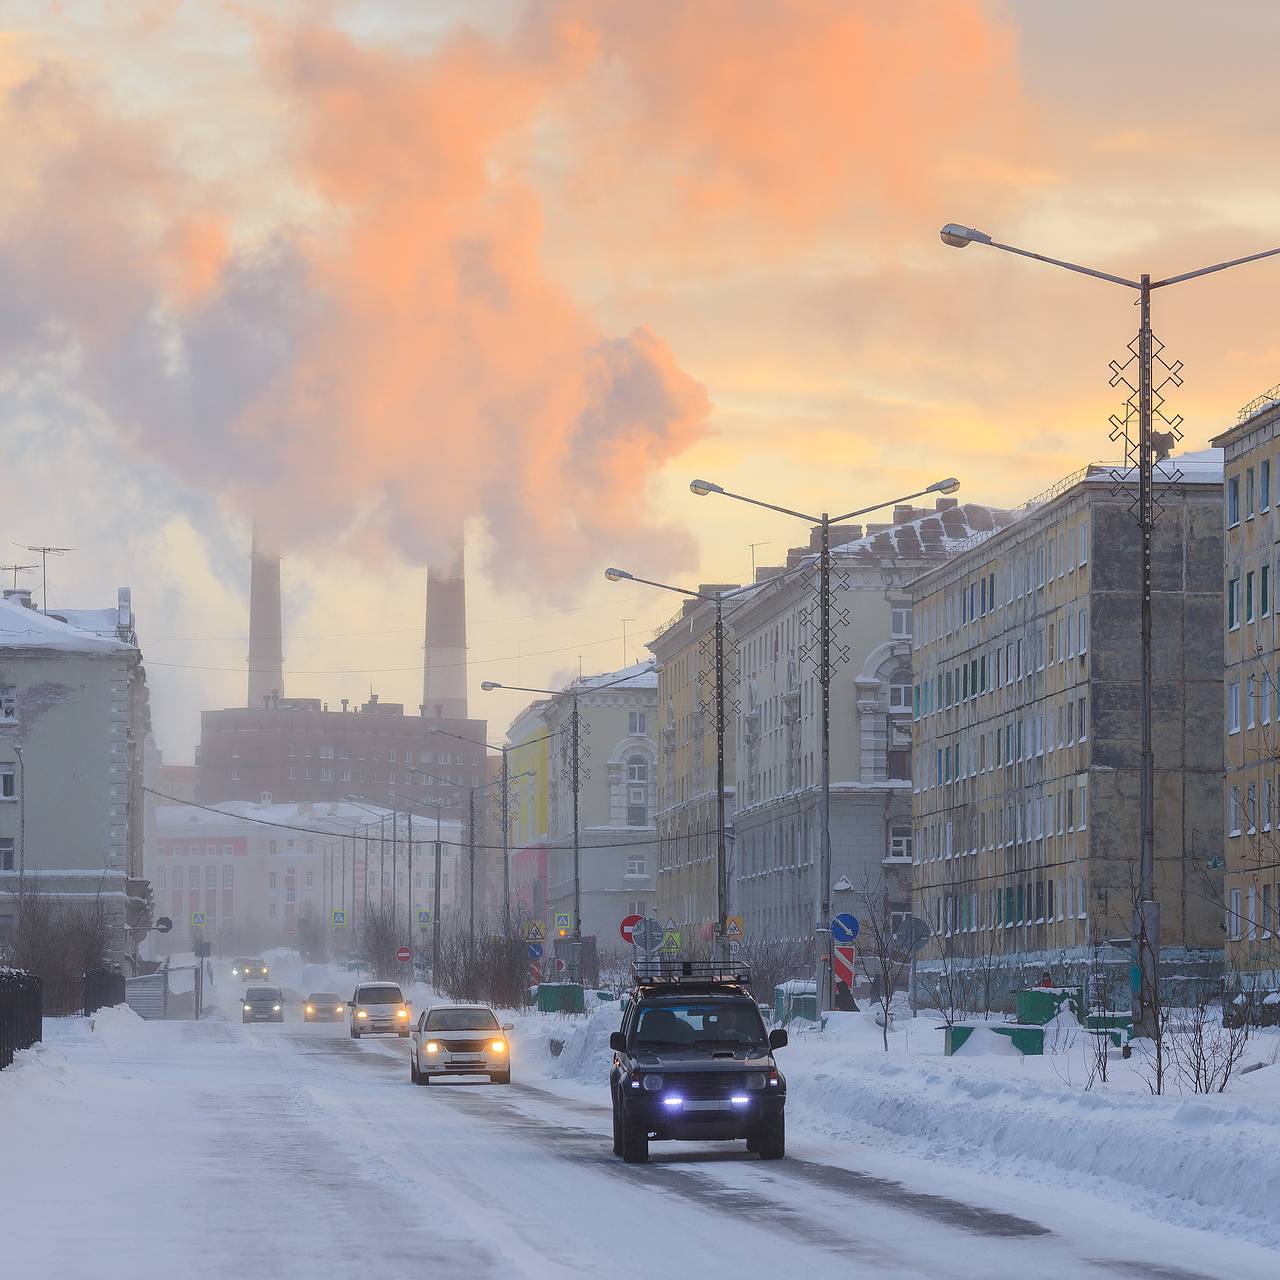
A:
693,1062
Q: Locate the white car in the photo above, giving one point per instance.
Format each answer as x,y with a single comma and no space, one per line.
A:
378,1008
460,1039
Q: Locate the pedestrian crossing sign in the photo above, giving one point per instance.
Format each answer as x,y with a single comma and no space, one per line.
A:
424,917
197,919
562,924
535,932
339,919
733,929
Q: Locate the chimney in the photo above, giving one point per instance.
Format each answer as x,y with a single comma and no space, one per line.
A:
444,676
904,514
947,504
20,596
266,655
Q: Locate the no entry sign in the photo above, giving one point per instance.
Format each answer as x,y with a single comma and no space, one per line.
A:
404,955
628,928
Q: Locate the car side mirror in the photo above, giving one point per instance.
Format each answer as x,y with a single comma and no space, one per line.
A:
618,1042
508,1026
351,1004
778,1038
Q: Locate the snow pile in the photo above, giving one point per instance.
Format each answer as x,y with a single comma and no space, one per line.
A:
583,1054
118,1024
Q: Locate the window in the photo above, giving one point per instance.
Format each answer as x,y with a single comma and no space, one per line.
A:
900,618
211,877
291,895
271,910
1264,485
271,880
311,879
228,877
226,851
1251,689
9,782
177,877
637,864
900,691
900,840
6,853
1233,916
1264,590
1082,627
637,791
1233,707
900,765
1084,543
1248,493
8,702
1251,808
636,723
1233,502
235,775
1233,812
1248,596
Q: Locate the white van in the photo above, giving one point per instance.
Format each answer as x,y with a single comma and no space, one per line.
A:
378,1008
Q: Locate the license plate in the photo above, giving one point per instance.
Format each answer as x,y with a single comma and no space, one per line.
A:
466,1057
706,1104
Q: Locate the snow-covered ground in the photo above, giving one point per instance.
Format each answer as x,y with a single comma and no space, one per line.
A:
145,1150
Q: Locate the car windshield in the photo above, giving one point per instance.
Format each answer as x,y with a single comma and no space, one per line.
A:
262,993
324,997
379,995
461,1020
697,1024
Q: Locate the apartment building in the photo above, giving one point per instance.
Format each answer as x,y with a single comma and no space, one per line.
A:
1026,719
777,824
1251,691
687,817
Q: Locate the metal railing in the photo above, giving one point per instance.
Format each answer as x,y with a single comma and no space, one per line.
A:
20,1013
1258,403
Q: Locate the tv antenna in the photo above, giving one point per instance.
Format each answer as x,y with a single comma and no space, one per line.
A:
44,553
16,569
753,546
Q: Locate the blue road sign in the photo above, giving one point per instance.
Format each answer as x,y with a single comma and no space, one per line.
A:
844,928
535,951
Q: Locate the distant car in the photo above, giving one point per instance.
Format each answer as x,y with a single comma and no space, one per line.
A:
263,1004
378,1008
249,970
460,1039
324,1006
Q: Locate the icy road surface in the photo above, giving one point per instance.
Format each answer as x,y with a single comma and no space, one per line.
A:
221,1150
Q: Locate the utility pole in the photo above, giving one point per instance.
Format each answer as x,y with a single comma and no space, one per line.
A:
16,569
44,553
413,951
575,778
822,932
471,864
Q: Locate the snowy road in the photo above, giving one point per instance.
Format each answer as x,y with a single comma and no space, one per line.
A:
219,1150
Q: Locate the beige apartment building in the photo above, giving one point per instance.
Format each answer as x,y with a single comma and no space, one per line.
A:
1251,691
1027,726
687,815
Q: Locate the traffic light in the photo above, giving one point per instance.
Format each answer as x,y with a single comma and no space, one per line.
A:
562,933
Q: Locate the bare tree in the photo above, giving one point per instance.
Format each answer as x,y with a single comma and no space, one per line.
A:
882,955
1206,1051
380,938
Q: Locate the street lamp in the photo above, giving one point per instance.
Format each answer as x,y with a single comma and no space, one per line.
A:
1152,447
822,928
716,599
440,804
575,775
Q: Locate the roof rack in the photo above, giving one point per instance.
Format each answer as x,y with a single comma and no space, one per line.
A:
674,972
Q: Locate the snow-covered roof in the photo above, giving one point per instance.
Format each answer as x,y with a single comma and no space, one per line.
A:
23,628
928,535
639,675
101,622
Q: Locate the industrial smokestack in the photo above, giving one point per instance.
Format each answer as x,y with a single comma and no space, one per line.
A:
444,678
266,654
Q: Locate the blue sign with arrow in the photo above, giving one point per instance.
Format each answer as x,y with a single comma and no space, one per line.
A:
844,928
535,951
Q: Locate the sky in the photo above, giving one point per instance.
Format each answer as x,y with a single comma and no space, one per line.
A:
368,272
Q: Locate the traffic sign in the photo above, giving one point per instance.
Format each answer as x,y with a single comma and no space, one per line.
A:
734,928
735,948
671,940
339,919
561,966
197,919
535,972
200,949
844,928
647,935
404,955
535,951
911,936
628,927
535,932
164,924
561,923
424,917
845,958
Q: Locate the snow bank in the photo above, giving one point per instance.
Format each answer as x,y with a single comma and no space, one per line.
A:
118,1024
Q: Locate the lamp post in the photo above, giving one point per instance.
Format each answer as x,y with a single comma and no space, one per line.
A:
22,814
443,803
716,599
1152,446
574,691
822,903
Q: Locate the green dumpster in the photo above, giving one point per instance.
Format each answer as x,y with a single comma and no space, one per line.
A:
1038,1006
795,999
560,997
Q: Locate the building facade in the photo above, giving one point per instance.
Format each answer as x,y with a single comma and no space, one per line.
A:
74,722
687,816
248,877
616,800
1251,691
777,823
1027,720
528,759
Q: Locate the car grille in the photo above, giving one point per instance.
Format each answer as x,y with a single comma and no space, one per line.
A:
711,1084
465,1046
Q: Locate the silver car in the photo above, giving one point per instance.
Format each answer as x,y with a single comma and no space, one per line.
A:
378,1008
460,1039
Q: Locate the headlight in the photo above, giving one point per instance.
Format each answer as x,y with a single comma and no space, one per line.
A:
402,1013
755,1081
310,1009
653,1083
248,1008
275,1008
338,1009
499,1046
360,1013
431,1047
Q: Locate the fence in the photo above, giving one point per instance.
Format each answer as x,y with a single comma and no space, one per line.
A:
68,997
20,1013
